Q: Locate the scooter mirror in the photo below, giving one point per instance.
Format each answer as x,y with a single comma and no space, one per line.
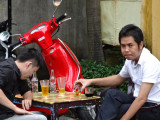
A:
57,2
4,36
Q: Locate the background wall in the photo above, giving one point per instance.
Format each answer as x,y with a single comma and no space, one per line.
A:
3,10
115,14
156,28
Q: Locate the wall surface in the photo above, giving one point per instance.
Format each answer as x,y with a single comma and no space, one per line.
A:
147,22
156,28
115,14
3,10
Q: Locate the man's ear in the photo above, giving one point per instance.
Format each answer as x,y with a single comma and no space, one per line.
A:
28,64
141,45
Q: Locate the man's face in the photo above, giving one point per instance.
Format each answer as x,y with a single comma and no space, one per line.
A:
130,49
28,71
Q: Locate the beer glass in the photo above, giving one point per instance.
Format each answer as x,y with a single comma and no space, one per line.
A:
61,85
44,87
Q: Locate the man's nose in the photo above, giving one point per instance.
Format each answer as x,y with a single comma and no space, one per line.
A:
126,48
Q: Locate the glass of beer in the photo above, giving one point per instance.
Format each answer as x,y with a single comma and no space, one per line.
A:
44,87
61,85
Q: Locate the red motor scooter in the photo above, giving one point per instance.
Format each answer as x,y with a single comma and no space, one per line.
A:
57,55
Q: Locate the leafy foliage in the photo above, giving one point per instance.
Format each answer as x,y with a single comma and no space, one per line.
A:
92,69
124,87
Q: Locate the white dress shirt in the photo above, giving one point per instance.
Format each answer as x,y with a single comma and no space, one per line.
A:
146,70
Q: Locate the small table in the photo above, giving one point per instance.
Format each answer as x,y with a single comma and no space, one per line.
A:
55,102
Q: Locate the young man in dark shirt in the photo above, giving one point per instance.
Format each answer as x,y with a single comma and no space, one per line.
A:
13,75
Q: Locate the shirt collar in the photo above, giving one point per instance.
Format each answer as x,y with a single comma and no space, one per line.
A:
141,58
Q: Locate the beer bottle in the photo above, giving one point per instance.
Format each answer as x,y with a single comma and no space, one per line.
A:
34,82
52,82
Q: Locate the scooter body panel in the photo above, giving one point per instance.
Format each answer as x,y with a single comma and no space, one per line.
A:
64,63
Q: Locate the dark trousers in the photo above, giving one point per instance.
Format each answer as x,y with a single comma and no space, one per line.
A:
116,104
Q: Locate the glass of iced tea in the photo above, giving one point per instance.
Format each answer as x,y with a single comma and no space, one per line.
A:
44,87
89,91
61,85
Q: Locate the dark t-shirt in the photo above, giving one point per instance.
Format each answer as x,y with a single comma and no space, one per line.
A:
10,84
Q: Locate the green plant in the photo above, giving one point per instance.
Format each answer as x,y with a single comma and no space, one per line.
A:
124,87
92,69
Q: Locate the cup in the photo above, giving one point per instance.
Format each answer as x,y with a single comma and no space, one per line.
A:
44,87
89,91
61,85
77,90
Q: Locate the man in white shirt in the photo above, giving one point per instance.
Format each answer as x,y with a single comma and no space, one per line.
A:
143,69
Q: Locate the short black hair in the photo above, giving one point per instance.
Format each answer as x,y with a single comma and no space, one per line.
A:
131,30
33,55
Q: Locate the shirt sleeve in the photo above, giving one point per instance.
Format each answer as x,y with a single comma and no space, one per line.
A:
151,72
124,71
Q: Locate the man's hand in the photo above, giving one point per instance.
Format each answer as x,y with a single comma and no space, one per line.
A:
27,100
110,81
26,104
83,83
21,111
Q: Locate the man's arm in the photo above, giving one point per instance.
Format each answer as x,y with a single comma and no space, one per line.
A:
139,101
27,100
110,81
7,103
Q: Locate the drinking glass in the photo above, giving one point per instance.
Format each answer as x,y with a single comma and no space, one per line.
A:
89,91
44,87
77,90
61,85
